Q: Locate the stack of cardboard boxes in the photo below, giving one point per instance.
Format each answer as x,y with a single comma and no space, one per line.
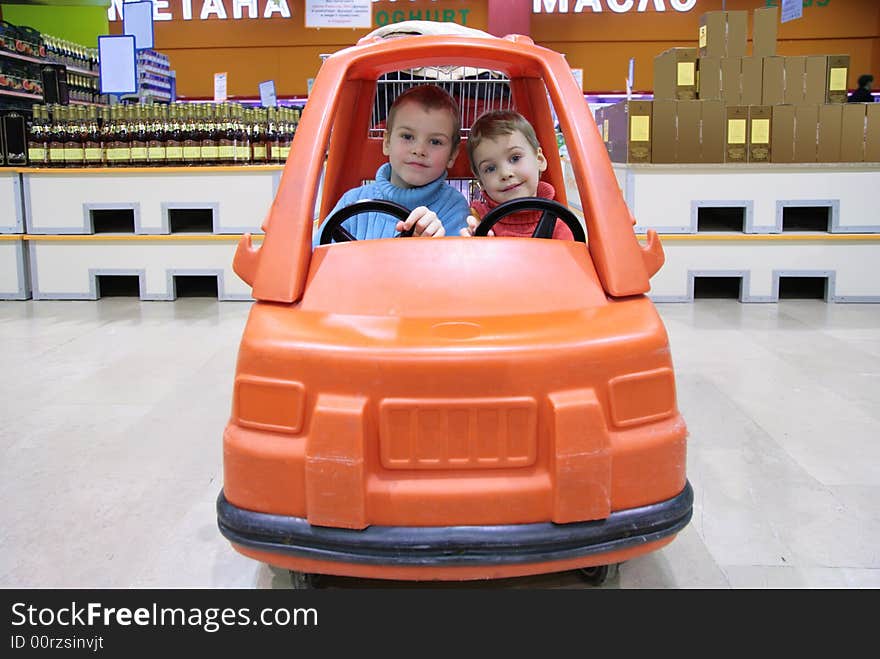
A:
714,104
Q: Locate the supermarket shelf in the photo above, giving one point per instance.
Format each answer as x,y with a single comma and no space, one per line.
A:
36,97
24,58
84,72
37,60
146,68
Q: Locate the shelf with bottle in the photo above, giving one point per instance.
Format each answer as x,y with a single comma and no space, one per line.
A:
159,135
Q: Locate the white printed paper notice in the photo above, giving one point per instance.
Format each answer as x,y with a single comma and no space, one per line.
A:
791,9
219,87
339,13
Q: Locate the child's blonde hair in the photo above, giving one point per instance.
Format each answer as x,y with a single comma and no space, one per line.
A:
430,97
495,123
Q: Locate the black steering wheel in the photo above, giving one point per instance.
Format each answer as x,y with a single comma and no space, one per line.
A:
551,210
333,229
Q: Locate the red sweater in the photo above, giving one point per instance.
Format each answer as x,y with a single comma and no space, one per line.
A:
521,224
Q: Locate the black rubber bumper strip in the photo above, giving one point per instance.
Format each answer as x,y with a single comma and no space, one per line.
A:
426,546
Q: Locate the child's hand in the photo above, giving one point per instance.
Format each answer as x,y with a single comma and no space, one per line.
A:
472,224
426,222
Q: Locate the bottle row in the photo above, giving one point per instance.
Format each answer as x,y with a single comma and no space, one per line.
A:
139,135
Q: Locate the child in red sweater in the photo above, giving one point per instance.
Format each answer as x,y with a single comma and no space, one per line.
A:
507,159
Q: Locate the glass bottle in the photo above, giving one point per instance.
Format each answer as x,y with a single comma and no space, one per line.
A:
242,136
210,135
226,136
156,137
173,137
106,135
93,154
138,136
192,148
56,137
37,134
259,146
273,137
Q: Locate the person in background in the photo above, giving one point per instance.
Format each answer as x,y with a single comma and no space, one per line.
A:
422,138
507,159
863,93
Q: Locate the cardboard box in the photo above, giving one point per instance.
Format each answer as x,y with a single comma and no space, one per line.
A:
731,73
806,125
629,131
712,131
838,75
713,34
764,24
737,33
709,78
852,133
760,132
782,134
688,118
752,80
665,128
830,121
773,82
675,74
795,74
872,132
815,79
736,134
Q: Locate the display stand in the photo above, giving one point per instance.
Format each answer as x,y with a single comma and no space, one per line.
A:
762,236
14,272
155,224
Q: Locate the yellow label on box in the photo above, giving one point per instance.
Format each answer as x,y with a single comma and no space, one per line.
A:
138,153
227,152
640,128
210,152
93,154
760,131
56,155
686,74
736,131
702,36
242,152
73,154
259,153
192,152
605,130
837,79
36,154
173,153
156,152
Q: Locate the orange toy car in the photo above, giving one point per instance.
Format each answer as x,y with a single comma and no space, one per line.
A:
455,408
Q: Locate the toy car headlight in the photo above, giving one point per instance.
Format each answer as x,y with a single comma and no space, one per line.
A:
642,397
267,404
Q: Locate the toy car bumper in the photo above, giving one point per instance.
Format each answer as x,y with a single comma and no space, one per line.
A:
454,546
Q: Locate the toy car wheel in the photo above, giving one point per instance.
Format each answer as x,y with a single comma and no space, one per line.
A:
332,228
304,580
550,211
596,575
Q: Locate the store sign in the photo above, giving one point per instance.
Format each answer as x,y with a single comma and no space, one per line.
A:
203,10
616,6
338,13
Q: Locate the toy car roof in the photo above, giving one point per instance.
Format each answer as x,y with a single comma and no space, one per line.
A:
340,105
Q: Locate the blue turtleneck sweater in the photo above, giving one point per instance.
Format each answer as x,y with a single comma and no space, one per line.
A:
449,204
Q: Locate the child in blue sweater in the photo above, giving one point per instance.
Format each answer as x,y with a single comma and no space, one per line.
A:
421,142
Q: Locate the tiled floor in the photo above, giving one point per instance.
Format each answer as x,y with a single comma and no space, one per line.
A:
110,447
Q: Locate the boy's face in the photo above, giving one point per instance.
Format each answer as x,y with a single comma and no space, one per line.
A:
508,167
419,145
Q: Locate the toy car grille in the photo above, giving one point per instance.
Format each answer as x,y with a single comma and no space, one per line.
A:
476,90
